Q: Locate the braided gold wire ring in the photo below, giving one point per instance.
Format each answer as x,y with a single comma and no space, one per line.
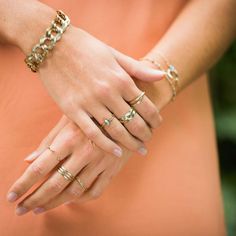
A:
65,173
128,116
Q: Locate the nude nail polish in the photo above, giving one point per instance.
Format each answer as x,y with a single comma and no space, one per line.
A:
142,151
21,211
38,210
11,197
117,152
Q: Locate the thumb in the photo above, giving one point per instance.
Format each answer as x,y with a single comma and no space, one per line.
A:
137,69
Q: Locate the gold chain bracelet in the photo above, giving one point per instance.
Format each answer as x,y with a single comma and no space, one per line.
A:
171,76
47,41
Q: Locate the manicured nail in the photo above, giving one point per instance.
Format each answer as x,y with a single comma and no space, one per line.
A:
118,152
32,156
68,203
11,197
21,211
142,151
158,72
38,210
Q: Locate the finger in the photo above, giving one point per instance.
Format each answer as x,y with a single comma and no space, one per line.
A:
47,141
115,129
137,69
57,183
96,189
145,108
74,191
43,164
136,126
95,134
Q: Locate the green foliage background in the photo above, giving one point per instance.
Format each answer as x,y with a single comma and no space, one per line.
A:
223,90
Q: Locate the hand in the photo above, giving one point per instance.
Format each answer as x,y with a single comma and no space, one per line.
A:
85,79
79,156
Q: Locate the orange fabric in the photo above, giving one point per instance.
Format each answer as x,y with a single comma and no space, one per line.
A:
174,191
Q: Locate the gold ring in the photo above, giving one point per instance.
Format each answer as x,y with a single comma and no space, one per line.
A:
128,116
81,183
107,122
54,152
137,100
65,173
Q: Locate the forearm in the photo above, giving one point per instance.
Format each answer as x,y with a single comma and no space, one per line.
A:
23,22
194,42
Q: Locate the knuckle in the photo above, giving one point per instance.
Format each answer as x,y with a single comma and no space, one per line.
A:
92,134
116,132
152,114
139,127
124,82
102,89
36,169
55,186
94,194
74,192
71,137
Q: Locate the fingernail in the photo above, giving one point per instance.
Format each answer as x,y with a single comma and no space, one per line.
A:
158,72
38,210
118,152
11,197
32,156
142,151
67,203
21,211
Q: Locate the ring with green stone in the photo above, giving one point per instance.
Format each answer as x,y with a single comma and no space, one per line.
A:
107,122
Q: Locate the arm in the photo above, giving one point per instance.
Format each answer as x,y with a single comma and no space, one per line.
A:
73,77
195,41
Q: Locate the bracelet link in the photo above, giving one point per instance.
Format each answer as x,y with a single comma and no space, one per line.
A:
171,76
48,41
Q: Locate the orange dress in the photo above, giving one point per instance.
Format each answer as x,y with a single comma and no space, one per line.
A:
174,191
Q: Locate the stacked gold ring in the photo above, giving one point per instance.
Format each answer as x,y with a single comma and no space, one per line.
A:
137,100
65,173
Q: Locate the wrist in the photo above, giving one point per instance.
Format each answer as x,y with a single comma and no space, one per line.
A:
159,92
24,23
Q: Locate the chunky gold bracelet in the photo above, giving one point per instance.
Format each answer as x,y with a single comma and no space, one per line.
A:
47,41
172,75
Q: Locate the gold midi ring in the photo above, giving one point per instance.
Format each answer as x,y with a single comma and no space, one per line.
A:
78,180
55,153
65,173
137,100
107,122
128,116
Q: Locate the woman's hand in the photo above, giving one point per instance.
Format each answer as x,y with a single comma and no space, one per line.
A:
85,79
91,167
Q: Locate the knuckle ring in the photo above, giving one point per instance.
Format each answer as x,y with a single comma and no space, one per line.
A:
81,184
54,152
108,121
65,173
137,100
128,116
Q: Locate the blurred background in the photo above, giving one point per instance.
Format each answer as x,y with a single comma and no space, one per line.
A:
223,91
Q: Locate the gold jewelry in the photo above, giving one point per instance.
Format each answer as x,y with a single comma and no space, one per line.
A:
78,180
128,116
47,41
137,100
171,75
65,173
54,152
107,122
